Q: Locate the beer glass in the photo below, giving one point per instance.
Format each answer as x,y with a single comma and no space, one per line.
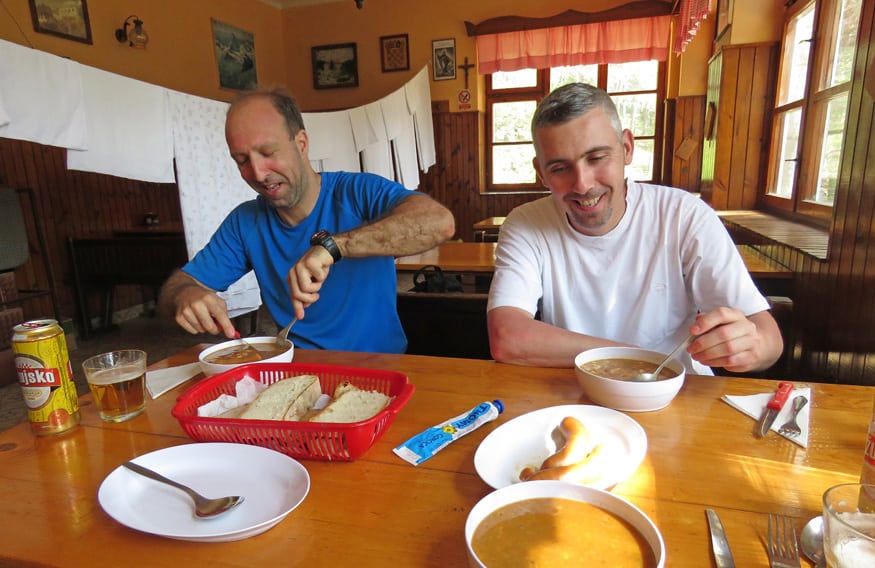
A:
849,525
118,383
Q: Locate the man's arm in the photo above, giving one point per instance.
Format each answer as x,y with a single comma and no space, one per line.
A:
196,308
416,224
516,337
734,342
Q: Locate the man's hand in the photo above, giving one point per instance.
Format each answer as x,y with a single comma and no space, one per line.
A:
306,278
196,308
729,339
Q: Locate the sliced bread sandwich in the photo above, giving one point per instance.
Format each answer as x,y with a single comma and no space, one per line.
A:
351,404
288,399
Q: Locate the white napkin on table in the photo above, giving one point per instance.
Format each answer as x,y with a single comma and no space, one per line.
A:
162,380
753,405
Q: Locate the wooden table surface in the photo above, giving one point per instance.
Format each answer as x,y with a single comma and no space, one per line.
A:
380,510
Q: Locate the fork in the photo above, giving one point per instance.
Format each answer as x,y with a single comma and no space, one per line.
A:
791,428
782,548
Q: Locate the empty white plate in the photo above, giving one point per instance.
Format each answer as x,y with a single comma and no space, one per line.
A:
271,483
526,441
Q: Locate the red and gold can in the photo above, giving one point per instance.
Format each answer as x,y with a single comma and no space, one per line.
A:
46,376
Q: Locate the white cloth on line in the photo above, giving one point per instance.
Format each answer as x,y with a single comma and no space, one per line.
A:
209,183
41,94
418,94
129,129
377,157
401,131
331,140
362,131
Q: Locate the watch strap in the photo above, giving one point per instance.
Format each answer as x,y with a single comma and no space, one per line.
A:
324,239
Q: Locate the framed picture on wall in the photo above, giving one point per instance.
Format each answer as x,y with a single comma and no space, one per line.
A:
63,18
394,53
235,57
335,66
443,59
724,17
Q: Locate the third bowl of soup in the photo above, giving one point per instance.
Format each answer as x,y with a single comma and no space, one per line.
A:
229,354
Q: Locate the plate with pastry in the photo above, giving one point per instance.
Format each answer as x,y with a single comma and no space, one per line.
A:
272,486
589,445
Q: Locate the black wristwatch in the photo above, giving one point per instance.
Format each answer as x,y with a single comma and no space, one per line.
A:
323,238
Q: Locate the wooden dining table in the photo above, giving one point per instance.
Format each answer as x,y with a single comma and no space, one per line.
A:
379,510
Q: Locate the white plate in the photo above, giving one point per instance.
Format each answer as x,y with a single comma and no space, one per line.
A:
272,485
527,441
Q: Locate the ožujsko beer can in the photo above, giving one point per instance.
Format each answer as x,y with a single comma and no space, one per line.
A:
46,376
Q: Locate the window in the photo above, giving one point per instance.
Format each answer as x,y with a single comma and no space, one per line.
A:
808,124
511,99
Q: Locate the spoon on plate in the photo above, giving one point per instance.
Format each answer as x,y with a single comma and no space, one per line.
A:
812,542
644,377
204,508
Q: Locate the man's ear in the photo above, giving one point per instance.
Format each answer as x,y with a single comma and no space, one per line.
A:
628,146
302,141
537,167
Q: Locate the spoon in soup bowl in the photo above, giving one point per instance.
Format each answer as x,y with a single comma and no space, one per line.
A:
644,377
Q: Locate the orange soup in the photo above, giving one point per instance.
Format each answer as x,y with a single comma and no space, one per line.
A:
557,532
624,369
246,354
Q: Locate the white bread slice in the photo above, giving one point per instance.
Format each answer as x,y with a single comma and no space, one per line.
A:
351,404
287,399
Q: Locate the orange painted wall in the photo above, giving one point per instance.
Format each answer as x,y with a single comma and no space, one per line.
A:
180,52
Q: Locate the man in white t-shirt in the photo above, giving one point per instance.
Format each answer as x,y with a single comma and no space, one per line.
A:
611,262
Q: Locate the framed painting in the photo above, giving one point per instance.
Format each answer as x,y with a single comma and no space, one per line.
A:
235,57
335,66
724,17
63,18
443,59
394,53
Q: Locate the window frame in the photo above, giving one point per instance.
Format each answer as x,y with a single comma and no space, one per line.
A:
537,93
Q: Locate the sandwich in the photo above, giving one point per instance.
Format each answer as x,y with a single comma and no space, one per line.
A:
351,404
288,399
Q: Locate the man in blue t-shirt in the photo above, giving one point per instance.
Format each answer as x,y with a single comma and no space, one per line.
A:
295,234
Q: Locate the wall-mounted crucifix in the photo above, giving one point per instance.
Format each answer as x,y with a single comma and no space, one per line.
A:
465,68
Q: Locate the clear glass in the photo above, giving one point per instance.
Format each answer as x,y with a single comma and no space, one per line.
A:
633,76
118,383
637,113
575,74
849,525
789,125
513,164
831,150
512,122
796,52
641,168
514,79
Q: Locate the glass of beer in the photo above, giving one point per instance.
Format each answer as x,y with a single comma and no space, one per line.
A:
849,525
118,383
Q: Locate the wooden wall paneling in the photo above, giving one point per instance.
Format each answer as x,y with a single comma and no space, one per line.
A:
689,119
738,78
709,146
724,129
763,92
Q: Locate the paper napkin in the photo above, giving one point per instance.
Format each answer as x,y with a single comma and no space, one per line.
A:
162,380
753,406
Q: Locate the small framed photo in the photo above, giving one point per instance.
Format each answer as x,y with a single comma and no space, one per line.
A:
235,57
394,53
444,59
335,66
63,18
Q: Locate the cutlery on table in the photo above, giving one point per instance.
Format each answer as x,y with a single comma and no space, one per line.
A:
773,408
791,427
722,553
204,508
781,544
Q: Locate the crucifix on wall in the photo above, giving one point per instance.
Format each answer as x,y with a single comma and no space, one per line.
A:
465,67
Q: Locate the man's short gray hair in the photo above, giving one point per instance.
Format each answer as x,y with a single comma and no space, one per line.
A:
571,101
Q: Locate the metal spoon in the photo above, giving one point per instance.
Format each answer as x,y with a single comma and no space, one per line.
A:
203,508
653,376
282,338
812,542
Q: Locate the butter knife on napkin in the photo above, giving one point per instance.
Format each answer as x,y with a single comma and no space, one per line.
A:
753,405
160,381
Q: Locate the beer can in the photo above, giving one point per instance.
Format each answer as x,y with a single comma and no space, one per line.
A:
46,376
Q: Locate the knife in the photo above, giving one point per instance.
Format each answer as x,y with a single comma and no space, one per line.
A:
722,553
773,408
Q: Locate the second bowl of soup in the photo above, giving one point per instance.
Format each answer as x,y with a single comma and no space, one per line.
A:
605,373
229,354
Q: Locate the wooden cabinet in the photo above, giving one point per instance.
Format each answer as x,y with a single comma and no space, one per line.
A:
737,124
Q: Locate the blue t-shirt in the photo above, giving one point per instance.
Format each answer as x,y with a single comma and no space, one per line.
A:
356,310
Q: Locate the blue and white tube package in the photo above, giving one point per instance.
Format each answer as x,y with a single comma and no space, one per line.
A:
426,444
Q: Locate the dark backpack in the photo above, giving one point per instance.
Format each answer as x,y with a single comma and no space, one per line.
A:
431,278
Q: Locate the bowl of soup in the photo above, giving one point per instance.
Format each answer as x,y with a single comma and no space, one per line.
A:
229,354
559,524
607,377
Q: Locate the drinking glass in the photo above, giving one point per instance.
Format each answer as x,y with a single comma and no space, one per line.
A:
117,381
849,525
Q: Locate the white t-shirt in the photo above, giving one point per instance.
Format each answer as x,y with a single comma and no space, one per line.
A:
642,283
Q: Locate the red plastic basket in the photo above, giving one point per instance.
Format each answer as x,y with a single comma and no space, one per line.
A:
300,440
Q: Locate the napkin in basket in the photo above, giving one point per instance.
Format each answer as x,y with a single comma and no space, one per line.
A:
753,406
162,380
